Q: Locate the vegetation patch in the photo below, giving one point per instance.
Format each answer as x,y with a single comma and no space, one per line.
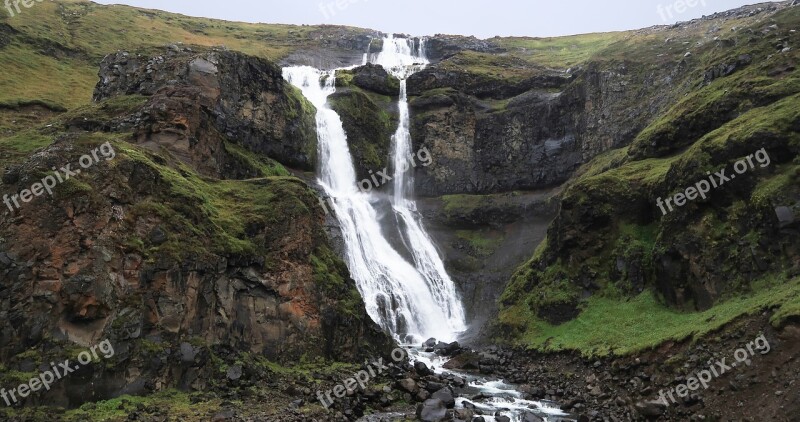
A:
605,325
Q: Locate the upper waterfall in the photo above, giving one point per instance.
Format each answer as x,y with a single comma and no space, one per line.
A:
412,300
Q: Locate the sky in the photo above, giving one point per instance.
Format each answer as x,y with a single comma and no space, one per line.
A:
484,19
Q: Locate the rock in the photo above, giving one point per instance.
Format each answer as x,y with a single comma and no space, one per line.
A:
464,361
434,386
157,236
432,410
188,352
651,409
5,261
422,369
531,417
446,396
464,414
234,372
203,66
225,415
502,418
374,78
429,343
785,216
408,385
688,54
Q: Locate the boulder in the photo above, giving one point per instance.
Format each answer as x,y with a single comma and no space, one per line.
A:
432,410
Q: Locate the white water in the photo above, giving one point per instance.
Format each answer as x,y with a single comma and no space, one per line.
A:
410,300
414,300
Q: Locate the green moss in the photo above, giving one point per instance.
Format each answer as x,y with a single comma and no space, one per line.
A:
106,110
620,327
178,405
369,127
482,242
264,166
204,216
328,270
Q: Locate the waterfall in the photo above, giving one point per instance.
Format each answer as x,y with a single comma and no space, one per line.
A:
412,300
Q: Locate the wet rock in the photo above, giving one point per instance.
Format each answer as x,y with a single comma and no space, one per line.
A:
432,410
466,361
446,396
422,369
530,417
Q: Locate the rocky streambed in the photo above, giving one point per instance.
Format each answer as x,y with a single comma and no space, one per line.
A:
453,383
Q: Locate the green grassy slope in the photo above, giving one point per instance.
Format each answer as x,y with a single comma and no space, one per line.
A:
609,217
54,48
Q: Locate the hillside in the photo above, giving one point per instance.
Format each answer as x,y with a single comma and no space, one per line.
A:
563,195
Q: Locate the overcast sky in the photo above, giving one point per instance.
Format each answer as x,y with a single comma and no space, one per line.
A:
483,19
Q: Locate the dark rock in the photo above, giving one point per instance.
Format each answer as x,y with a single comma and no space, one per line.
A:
446,396
422,369
785,216
530,417
234,372
432,410
651,409
465,361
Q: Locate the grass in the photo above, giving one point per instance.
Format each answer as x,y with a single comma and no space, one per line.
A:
68,38
179,407
29,75
559,52
483,242
613,326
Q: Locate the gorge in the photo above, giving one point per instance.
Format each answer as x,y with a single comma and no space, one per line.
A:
511,239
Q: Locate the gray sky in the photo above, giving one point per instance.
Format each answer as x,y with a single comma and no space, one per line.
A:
483,19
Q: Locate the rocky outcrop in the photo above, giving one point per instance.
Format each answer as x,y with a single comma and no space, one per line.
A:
200,98
366,101
546,125
334,47
160,250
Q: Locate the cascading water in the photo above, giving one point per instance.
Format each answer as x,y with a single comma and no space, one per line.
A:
412,301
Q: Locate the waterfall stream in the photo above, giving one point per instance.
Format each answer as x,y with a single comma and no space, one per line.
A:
406,288
412,300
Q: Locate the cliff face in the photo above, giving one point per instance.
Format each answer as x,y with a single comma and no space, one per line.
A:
493,135
613,231
165,249
245,99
